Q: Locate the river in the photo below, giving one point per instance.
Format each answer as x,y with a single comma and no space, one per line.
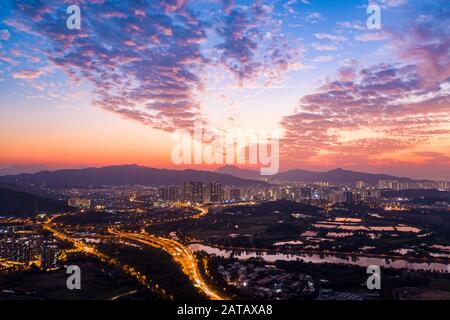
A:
361,261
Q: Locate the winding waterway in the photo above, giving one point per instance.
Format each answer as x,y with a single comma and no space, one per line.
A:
361,261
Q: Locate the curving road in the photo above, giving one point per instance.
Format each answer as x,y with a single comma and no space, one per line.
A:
81,246
179,252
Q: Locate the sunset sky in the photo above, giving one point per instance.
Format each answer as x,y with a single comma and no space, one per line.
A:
341,94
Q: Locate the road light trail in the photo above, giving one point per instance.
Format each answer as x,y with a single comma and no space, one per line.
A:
179,252
123,295
81,246
203,212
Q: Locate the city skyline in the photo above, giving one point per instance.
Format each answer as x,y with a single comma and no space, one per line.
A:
342,95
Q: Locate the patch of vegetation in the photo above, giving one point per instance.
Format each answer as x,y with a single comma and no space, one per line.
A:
158,266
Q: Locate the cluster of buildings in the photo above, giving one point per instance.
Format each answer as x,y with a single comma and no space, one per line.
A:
197,192
111,198
121,198
320,193
17,244
267,282
397,185
80,203
215,192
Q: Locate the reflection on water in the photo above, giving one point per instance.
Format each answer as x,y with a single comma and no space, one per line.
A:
319,258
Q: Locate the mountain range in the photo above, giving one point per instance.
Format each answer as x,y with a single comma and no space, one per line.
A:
228,175
335,176
124,175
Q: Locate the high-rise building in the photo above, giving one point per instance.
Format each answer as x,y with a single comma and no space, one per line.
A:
444,185
334,197
375,194
168,193
341,197
235,194
391,184
22,249
306,193
215,192
193,191
50,255
360,185
347,197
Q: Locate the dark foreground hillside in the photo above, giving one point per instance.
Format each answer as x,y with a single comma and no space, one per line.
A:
18,203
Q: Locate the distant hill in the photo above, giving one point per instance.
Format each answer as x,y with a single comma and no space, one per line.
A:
33,189
18,203
124,175
241,173
18,169
337,175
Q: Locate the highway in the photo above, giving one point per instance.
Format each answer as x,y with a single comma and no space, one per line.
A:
203,212
179,252
81,246
119,296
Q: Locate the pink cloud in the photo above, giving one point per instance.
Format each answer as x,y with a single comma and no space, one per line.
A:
28,74
5,35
